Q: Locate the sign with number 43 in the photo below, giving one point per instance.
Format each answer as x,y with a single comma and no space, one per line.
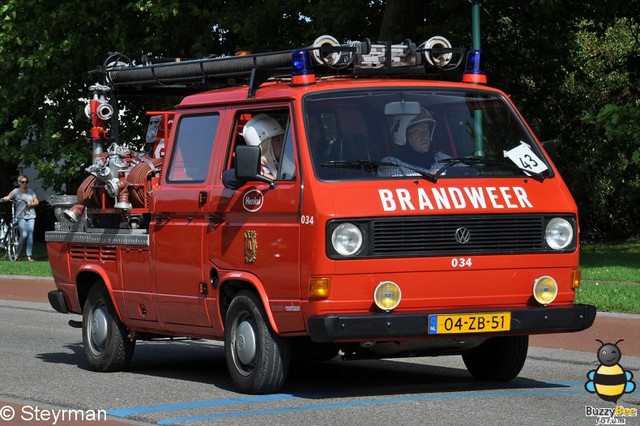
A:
524,157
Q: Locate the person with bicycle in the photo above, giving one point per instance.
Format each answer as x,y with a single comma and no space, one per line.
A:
26,200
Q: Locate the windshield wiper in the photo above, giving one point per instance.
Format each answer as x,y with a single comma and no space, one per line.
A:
370,166
366,165
473,161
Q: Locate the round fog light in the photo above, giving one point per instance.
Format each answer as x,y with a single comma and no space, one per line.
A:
545,290
387,295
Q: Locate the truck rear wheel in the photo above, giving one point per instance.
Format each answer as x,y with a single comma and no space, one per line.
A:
257,358
104,337
497,359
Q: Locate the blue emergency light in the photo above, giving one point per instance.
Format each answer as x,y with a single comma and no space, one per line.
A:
301,68
474,69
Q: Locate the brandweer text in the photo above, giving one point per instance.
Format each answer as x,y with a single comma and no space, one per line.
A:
502,197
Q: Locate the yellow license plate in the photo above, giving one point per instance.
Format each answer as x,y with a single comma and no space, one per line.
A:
470,323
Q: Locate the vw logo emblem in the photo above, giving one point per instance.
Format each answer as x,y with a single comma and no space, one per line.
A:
462,235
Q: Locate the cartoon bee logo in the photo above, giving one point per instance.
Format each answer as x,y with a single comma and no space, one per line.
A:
609,381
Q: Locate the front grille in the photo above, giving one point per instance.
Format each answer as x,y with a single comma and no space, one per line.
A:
436,235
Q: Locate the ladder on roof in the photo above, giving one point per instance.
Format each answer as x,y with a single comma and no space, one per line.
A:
166,76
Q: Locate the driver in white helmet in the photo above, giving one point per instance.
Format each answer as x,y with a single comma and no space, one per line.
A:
414,133
264,131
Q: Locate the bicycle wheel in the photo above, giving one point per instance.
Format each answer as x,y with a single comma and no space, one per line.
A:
3,233
13,242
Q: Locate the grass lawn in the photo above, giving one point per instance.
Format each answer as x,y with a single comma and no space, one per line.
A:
610,274
611,277
39,267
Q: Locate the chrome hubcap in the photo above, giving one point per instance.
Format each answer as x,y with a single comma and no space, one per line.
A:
246,343
99,327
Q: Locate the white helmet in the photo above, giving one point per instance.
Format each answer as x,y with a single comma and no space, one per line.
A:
402,123
260,128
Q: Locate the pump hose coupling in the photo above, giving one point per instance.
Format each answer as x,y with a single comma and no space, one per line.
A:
73,214
104,111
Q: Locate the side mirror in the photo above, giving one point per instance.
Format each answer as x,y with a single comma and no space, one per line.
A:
247,162
248,165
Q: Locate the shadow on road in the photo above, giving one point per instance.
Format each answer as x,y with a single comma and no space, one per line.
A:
194,361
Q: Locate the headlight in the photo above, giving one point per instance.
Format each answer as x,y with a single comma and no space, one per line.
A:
559,233
346,239
387,295
545,290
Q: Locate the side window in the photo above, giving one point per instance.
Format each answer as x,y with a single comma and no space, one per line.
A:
271,131
287,169
192,148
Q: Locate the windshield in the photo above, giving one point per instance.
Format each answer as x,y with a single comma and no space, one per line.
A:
382,134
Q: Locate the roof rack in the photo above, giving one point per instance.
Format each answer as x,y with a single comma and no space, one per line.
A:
357,58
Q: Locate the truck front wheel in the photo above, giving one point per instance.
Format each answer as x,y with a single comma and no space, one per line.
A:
497,359
257,358
104,337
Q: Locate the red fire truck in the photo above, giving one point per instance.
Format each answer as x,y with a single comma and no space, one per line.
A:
341,199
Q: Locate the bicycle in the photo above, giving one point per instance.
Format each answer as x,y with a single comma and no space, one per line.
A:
10,233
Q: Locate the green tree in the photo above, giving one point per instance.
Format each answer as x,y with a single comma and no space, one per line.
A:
603,89
45,73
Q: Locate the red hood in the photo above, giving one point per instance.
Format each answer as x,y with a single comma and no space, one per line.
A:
447,196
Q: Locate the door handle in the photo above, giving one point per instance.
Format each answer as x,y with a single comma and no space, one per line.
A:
162,218
215,218
202,198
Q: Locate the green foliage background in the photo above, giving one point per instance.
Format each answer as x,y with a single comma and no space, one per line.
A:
572,67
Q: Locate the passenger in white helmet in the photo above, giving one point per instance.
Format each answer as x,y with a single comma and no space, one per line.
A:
265,132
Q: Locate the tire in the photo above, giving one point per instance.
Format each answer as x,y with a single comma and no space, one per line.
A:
13,243
497,359
104,337
257,358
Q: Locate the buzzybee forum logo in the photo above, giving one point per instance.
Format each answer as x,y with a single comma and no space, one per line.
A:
610,381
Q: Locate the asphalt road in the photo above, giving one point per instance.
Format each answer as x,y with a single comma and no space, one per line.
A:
45,380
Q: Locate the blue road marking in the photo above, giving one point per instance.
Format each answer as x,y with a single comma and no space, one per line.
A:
124,412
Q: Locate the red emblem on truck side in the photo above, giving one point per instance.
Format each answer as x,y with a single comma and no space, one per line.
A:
253,200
